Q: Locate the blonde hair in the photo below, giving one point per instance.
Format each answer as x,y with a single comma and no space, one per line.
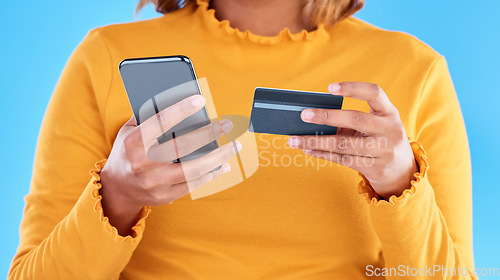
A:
327,12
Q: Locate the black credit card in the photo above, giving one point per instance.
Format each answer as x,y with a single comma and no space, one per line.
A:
277,111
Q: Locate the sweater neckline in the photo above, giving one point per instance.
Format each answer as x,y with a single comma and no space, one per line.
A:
284,35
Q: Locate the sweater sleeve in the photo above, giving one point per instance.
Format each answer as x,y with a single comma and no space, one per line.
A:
64,234
427,231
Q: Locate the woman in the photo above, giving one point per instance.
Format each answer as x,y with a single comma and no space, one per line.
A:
408,214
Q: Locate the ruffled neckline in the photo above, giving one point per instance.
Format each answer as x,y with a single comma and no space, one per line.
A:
283,35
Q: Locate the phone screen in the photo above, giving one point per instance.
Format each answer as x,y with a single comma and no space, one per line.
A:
153,84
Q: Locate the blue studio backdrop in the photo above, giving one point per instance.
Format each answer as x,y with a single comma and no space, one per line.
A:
37,38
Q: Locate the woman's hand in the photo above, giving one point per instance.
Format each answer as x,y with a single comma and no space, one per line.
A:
374,144
139,172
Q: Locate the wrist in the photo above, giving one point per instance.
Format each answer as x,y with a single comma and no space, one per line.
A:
121,212
402,184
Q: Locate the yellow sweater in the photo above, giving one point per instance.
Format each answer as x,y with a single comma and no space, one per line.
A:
286,221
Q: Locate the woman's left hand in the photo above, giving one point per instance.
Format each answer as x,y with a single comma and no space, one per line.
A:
374,144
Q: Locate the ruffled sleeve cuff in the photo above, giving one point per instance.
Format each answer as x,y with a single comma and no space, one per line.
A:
136,231
419,178
87,230
399,220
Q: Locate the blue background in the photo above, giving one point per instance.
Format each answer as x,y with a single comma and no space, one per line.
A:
37,38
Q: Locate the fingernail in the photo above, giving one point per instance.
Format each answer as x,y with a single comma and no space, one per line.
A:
198,101
226,168
307,115
227,125
334,88
238,145
294,141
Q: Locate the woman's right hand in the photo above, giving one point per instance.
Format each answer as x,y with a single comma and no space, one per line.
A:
131,180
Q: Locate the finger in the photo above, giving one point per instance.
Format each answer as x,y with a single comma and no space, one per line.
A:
192,169
198,182
357,120
169,117
358,163
170,193
196,168
362,146
188,143
371,93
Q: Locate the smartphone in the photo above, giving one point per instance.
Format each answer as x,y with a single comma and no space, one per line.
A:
155,83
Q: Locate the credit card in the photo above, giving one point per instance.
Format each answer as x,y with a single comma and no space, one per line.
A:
277,111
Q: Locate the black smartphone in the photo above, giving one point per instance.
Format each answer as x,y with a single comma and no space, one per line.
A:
155,83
